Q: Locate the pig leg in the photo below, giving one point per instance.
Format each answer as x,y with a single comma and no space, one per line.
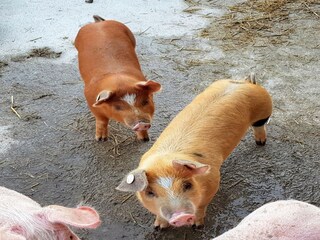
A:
200,215
143,135
260,135
102,129
259,131
160,223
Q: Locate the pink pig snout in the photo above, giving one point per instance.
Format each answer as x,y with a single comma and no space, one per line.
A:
140,126
181,219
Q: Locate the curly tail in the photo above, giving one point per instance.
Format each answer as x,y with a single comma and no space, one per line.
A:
251,78
98,18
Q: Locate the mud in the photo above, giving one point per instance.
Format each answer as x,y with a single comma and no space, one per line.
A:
49,152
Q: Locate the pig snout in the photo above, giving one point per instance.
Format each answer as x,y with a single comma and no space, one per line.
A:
182,219
141,126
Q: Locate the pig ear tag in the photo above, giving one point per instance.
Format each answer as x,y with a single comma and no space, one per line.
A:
135,181
130,178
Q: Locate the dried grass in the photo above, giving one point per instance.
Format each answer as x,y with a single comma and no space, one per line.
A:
44,52
253,20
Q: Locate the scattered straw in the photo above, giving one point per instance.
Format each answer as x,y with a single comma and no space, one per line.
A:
144,31
134,220
127,198
12,108
308,7
266,21
235,184
191,10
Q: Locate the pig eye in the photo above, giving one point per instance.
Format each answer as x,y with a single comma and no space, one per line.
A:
150,193
118,107
187,186
71,237
145,102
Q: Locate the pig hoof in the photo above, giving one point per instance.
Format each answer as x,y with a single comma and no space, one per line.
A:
159,228
160,224
201,226
146,139
102,139
261,143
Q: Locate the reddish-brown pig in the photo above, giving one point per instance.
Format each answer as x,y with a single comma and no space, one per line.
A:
115,87
21,218
280,220
178,177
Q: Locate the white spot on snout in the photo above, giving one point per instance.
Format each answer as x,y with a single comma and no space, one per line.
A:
165,182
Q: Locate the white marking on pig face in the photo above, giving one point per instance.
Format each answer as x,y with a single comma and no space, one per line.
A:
165,182
130,99
173,201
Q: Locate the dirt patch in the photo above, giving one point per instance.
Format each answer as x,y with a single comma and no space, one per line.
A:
3,64
44,52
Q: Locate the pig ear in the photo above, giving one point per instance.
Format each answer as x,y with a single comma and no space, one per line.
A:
81,217
152,86
193,167
134,181
102,97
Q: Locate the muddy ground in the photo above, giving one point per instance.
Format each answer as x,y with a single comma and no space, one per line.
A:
50,153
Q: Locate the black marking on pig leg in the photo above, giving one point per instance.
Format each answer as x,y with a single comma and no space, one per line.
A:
198,154
260,122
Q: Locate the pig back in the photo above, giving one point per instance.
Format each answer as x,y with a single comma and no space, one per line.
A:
215,121
16,209
105,47
9,197
281,220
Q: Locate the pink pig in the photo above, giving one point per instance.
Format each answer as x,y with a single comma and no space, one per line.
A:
21,218
280,220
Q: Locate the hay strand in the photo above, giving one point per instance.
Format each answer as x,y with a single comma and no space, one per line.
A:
13,109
